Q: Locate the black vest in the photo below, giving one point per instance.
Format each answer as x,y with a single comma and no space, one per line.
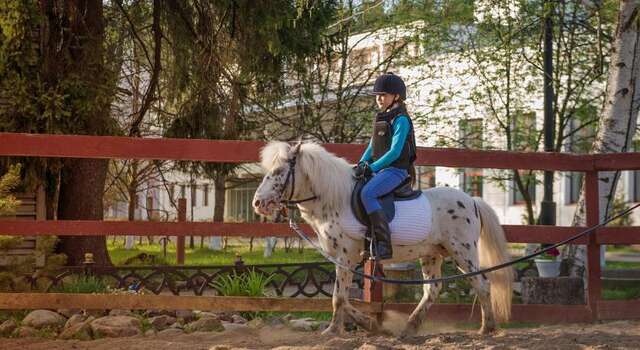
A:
383,133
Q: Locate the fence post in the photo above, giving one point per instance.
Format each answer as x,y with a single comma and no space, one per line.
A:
182,217
594,281
372,290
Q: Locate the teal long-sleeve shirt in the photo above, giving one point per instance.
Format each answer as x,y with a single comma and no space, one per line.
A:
401,129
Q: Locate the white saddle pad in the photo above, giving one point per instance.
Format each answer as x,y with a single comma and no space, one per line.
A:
411,224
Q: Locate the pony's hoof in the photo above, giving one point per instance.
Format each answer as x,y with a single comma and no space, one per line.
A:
487,330
333,330
407,333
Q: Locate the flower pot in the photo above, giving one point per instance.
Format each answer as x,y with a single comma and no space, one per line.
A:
548,268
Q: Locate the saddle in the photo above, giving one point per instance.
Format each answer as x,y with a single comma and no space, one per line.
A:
403,192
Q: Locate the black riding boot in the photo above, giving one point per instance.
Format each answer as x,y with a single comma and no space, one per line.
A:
381,234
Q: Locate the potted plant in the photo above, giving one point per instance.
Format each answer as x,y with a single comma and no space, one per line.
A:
548,265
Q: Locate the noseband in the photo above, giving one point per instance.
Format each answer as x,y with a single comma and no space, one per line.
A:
291,175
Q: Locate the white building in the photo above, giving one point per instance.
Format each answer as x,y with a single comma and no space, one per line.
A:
456,116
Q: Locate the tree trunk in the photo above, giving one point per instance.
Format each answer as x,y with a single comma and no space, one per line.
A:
619,118
81,199
72,37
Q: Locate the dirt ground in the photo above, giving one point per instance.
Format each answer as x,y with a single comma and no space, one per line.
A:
610,335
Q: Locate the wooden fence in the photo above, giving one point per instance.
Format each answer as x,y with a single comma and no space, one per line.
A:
108,147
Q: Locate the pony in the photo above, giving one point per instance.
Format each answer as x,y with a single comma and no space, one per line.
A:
463,227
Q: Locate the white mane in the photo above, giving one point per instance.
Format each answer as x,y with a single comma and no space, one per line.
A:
329,175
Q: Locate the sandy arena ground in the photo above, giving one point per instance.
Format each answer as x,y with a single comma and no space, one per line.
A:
610,335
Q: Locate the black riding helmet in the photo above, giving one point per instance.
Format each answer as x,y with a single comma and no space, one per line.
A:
391,84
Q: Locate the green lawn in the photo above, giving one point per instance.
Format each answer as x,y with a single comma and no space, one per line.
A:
204,256
622,265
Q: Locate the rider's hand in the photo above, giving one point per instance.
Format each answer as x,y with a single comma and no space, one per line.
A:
361,169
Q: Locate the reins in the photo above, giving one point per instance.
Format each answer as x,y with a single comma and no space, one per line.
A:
589,230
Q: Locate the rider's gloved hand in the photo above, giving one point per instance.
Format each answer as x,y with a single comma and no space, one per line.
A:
361,169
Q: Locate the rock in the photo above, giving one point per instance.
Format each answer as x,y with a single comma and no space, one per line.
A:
186,315
26,332
95,313
162,322
158,312
75,319
234,326
303,324
238,319
150,333
256,323
171,332
116,326
206,324
209,315
69,312
80,331
44,318
7,327
120,312
552,290
221,347
177,325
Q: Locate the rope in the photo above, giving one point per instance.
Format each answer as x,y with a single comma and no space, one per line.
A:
589,230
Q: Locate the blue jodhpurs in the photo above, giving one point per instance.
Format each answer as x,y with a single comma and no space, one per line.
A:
383,182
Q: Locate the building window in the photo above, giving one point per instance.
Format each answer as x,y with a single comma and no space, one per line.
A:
472,181
238,206
529,182
471,137
574,184
194,189
172,191
425,177
525,137
183,191
205,195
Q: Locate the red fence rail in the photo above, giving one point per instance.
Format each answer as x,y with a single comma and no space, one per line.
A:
109,147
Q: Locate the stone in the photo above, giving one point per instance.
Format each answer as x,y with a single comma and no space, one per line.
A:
552,290
150,333
256,323
7,327
95,313
162,322
234,326
303,324
120,312
26,332
44,318
69,312
75,319
206,314
186,315
116,326
80,331
177,325
238,319
206,324
158,312
171,332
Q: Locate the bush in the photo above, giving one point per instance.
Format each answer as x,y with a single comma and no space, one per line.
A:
249,284
83,284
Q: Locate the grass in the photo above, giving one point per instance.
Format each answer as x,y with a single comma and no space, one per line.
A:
204,256
622,265
628,293
82,284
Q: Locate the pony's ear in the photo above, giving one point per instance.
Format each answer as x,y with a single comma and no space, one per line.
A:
295,149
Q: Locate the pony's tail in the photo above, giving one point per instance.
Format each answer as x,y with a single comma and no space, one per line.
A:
492,249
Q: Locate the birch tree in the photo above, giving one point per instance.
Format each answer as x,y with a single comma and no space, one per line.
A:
618,122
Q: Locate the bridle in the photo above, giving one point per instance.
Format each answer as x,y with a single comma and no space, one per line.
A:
291,175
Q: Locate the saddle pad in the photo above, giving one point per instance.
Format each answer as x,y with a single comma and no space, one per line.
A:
411,224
